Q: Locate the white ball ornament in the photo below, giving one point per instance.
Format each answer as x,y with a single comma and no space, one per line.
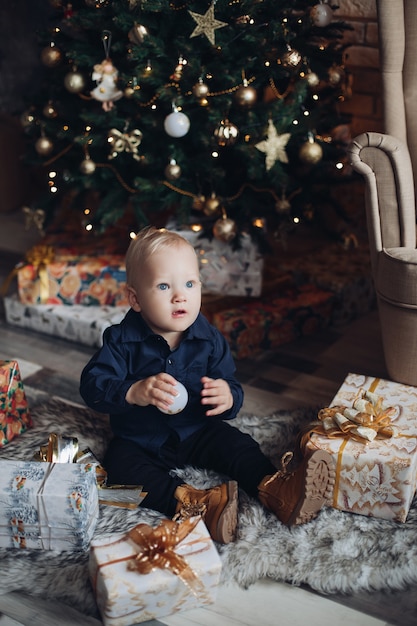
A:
321,14
176,124
180,400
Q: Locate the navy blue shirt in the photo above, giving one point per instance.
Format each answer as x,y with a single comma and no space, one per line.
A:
131,351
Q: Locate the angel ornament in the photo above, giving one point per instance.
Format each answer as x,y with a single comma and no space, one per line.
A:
105,75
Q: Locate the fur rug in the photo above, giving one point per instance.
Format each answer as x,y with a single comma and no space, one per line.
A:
335,553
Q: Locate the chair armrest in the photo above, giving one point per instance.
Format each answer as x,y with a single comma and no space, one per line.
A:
385,163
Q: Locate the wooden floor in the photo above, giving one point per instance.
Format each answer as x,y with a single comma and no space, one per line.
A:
307,372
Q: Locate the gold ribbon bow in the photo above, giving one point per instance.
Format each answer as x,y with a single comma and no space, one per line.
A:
125,142
365,421
156,549
38,256
34,216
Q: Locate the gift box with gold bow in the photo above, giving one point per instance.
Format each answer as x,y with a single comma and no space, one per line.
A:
370,428
149,572
47,277
14,412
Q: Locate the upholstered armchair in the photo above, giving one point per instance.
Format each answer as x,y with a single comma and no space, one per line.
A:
388,163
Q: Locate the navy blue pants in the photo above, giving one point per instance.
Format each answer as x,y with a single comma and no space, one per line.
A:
218,446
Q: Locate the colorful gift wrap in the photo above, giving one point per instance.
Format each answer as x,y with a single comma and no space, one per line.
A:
270,322
49,278
78,323
149,572
14,412
376,477
347,273
50,506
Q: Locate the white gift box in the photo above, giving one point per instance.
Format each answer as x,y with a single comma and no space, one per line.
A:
82,324
376,478
50,506
125,596
226,271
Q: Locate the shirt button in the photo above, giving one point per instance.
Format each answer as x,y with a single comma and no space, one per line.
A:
170,361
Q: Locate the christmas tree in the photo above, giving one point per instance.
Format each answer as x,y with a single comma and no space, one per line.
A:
220,113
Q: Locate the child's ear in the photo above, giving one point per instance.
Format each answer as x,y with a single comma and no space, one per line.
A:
133,299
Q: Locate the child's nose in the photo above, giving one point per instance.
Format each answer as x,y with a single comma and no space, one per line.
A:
179,296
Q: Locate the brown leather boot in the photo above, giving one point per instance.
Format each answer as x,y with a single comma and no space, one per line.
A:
217,506
296,497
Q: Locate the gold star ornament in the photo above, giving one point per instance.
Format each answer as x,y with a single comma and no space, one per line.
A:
274,146
206,24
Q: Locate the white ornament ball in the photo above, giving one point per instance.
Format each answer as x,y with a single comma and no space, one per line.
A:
321,14
177,124
180,400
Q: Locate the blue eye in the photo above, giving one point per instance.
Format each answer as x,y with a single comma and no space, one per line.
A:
189,284
163,286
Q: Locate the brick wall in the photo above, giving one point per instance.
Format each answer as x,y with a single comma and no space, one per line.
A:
362,61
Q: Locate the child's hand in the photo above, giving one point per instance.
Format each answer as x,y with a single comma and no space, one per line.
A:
216,392
157,390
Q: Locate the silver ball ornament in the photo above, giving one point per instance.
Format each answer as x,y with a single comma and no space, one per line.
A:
321,14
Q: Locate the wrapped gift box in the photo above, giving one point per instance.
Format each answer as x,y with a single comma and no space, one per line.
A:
270,322
82,324
51,506
65,279
227,271
377,478
14,412
126,595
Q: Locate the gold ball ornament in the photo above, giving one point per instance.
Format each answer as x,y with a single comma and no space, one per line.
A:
87,166
74,82
224,229
137,34
128,92
44,146
226,133
51,56
246,95
200,89
172,170
211,205
336,75
291,58
311,152
198,203
312,79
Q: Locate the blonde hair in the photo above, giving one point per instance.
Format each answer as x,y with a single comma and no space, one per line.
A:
148,241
